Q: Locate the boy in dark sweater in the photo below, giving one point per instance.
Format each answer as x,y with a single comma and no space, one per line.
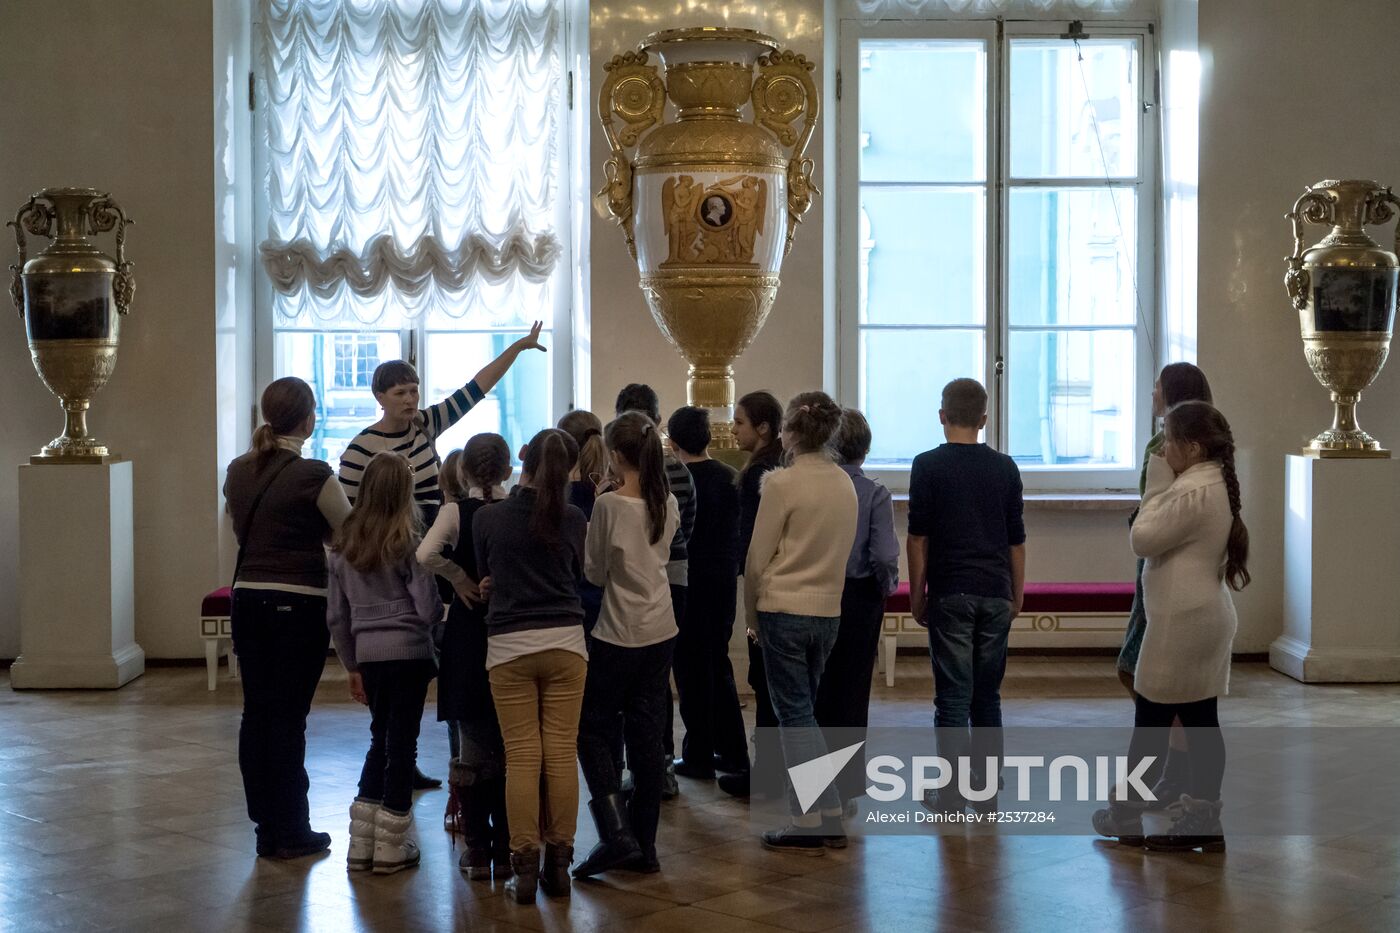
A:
709,698
967,562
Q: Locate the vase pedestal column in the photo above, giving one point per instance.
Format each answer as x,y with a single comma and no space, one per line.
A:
1341,592
77,622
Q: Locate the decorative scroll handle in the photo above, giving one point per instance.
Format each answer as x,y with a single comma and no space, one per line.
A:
634,95
1313,208
37,219
103,215
784,94
1380,208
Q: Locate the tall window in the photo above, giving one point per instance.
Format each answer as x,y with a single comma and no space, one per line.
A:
412,152
997,211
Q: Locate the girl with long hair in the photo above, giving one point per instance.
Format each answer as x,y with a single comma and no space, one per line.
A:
586,429
793,577
758,425
477,778
383,606
529,552
1190,532
283,508
629,542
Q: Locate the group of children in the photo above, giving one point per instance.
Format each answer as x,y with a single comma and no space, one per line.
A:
613,562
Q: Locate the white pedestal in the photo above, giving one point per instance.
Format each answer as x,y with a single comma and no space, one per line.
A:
1341,588
77,624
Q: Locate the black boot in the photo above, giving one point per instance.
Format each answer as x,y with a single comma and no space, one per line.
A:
526,878
616,844
554,876
495,791
1175,775
476,828
1197,826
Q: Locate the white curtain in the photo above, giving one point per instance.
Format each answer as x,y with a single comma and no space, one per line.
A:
1068,9
412,158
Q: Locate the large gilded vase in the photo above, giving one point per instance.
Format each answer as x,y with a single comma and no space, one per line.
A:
1344,289
709,199
71,297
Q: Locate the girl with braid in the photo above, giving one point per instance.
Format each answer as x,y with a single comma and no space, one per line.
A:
1195,544
478,771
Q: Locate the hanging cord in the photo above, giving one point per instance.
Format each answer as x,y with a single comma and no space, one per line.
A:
1113,197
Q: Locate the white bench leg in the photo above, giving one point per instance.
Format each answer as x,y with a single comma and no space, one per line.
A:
891,652
232,662
211,660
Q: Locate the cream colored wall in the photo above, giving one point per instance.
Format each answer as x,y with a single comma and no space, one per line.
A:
627,347
120,96
1278,112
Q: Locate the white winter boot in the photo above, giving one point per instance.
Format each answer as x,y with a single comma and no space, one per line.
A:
393,850
362,814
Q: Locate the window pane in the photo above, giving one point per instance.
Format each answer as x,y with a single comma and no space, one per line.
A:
902,375
1073,118
324,359
1071,398
909,134
516,408
1072,256
922,256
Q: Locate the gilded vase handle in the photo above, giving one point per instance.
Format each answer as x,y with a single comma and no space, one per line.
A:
36,218
633,95
103,215
783,95
1383,206
1312,208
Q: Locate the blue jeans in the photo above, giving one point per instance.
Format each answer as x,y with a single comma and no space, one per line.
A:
795,649
967,638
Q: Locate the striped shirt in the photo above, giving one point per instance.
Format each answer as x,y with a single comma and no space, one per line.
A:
683,488
416,442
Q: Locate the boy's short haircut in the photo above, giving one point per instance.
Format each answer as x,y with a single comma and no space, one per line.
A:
638,396
689,427
964,402
851,442
391,374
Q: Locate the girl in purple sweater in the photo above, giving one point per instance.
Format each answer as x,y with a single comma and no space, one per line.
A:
381,608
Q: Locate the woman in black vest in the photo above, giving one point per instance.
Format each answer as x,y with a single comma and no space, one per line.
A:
283,509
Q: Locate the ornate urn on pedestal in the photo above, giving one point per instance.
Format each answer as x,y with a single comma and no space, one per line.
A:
1344,288
72,297
709,202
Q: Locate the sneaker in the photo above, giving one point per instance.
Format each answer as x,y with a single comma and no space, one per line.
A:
670,788
1196,826
311,844
1120,821
800,839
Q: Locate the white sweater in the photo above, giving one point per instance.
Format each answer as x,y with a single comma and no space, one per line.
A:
619,556
802,537
1181,531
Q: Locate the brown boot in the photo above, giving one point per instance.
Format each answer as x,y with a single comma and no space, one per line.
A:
554,876
526,865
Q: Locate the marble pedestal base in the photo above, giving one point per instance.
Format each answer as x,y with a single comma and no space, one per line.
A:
77,624
1341,577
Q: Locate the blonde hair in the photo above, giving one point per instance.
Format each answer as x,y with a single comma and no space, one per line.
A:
451,479
384,526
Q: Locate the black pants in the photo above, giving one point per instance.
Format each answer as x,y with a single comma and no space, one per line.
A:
281,640
396,692
1201,719
709,697
626,691
843,699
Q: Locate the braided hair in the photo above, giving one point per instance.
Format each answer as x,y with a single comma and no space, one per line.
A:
485,463
1202,423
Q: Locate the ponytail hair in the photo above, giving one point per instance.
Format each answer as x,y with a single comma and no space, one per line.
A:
549,458
635,438
384,526
1201,423
286,404
586,429
763,408
485,463
812,418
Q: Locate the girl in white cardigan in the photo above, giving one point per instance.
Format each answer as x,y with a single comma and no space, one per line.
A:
793,578
1195,545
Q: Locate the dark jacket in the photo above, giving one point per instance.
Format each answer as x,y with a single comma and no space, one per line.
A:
534,581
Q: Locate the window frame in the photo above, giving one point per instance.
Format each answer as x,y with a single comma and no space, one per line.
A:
999,184
565,320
